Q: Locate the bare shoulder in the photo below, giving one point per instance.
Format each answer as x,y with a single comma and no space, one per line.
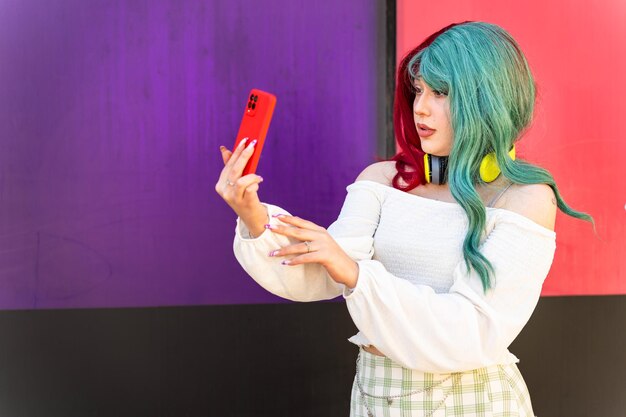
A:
534,201
381,172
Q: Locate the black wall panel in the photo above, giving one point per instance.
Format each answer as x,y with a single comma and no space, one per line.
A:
272,360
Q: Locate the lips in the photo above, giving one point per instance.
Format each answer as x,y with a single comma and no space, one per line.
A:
424,131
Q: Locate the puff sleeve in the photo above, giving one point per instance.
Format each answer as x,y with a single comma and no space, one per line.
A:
353,231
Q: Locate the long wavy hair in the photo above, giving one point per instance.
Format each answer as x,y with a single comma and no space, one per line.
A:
491,92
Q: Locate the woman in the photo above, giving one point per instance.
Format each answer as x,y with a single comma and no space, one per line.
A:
440,259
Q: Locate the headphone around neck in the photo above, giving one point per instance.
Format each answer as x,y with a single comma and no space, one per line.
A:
435,167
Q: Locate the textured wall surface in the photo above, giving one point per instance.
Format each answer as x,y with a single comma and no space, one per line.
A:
111,115
577,52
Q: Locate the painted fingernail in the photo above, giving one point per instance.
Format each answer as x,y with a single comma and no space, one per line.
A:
243,142
260,178
252,143
272,253
285,262
222,147
279,215
269,226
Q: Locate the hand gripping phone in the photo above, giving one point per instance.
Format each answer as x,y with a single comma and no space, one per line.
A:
255,123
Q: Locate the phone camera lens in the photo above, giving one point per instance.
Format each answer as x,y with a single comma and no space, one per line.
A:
251,96
256,98
253,106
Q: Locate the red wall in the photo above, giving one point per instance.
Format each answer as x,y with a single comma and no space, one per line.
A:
577,51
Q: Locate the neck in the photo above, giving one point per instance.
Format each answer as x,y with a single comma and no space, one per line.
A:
485,191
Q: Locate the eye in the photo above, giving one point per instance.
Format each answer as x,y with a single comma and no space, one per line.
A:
440,93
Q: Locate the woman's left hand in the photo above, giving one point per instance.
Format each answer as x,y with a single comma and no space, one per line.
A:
321,248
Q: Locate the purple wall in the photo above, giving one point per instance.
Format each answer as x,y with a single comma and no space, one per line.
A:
111,114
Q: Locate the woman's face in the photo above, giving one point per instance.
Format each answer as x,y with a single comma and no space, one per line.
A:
431,114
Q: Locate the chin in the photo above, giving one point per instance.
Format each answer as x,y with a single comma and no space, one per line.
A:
433,151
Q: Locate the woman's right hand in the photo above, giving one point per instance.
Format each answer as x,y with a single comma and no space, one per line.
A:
239,192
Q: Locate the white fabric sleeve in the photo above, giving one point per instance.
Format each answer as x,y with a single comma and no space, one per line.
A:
465,328
353,231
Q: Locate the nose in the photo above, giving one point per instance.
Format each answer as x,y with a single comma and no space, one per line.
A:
421,104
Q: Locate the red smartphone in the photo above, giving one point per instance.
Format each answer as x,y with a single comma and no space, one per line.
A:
255,123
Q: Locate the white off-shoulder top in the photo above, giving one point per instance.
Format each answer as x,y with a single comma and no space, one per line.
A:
414,299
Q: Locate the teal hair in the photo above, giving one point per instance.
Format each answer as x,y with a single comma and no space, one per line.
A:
491,92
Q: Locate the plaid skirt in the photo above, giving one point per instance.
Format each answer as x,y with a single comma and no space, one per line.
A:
494,391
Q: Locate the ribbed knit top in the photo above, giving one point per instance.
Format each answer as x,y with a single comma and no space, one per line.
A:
414,299
421,239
